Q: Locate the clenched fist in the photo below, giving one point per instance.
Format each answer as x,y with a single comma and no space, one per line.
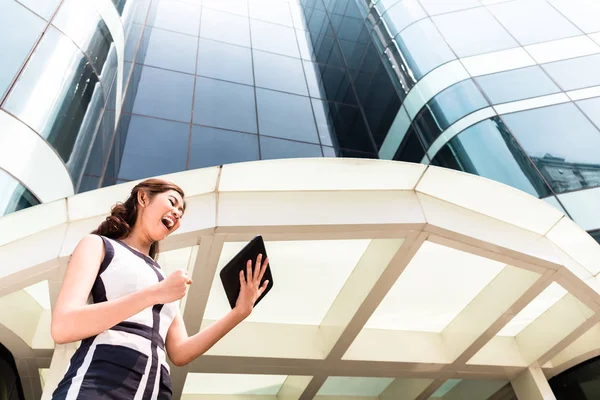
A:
173,288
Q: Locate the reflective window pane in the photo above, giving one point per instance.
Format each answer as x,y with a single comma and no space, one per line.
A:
15,196
15,48
154,147
422,59
225,105
66,108
576,73
286,116
411,149
164,94
88,30
582,207
225,27
533,21
238,7
225,61
562,143
472,32
305,45
43,8
273,71
591,108
271,148
324,121
275,11
516,84
402,14
212,147
274,38
329,83
446,108
351,130
488,149
177,16
583,13
170,50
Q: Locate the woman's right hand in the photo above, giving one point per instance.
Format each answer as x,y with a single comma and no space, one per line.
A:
172,288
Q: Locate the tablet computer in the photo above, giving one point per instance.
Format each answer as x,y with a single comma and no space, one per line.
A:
230,274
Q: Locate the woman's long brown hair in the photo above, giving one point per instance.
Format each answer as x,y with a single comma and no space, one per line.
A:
123,216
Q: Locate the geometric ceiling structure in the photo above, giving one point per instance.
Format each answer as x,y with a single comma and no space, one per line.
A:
391,281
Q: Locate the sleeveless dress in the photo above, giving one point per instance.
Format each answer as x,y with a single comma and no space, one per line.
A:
127,361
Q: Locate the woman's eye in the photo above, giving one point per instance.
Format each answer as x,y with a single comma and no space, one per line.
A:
172,202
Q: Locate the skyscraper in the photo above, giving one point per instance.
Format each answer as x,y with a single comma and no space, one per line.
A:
94,94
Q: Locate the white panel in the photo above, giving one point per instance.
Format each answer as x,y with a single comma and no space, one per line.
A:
457,128
233,384
573,240
433,83
349,174
19,225
595,37
497,61
529,104
322,266
533,310
434,288
354,386
513,206
563,49
41,293
31,160
586,93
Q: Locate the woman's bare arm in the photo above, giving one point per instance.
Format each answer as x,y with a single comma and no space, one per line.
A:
72,318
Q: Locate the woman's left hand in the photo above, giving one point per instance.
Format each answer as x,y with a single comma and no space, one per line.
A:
250,287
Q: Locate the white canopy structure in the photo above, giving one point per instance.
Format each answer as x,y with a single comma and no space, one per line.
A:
391,281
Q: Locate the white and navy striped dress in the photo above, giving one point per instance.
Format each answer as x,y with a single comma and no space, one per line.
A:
127,361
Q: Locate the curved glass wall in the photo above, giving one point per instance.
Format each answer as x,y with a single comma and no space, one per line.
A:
581,382
15,196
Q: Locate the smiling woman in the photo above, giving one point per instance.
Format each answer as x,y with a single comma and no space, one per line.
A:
135,320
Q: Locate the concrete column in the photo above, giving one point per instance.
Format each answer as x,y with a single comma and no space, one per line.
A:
532,385
59,365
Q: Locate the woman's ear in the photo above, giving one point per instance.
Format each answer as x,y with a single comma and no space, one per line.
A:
141,195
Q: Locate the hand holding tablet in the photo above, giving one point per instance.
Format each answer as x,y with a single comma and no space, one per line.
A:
247,276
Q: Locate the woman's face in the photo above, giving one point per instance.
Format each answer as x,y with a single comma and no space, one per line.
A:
161,216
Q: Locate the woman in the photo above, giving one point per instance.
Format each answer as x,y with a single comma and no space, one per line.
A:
134,321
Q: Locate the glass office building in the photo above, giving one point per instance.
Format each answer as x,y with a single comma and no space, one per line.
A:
96,94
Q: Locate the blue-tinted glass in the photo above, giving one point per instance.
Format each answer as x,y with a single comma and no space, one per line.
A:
109,71
349,29
89,183
489,150
582,207
95,41
517,84
225,61
576,73
177,16
286,116
305,44
324,121
562,143
410,149
211,146
474,31
273,71
170,50
43,8
446,108
15,196
328,52
314,80
164,94
402,14
154,147
271,148
132,41
420,58
274,38
591,108
117,147
225,27
351,131
225,105
275,11
334,82
583,13
16,47
95,163
533,21
237,7
67,108
328,151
